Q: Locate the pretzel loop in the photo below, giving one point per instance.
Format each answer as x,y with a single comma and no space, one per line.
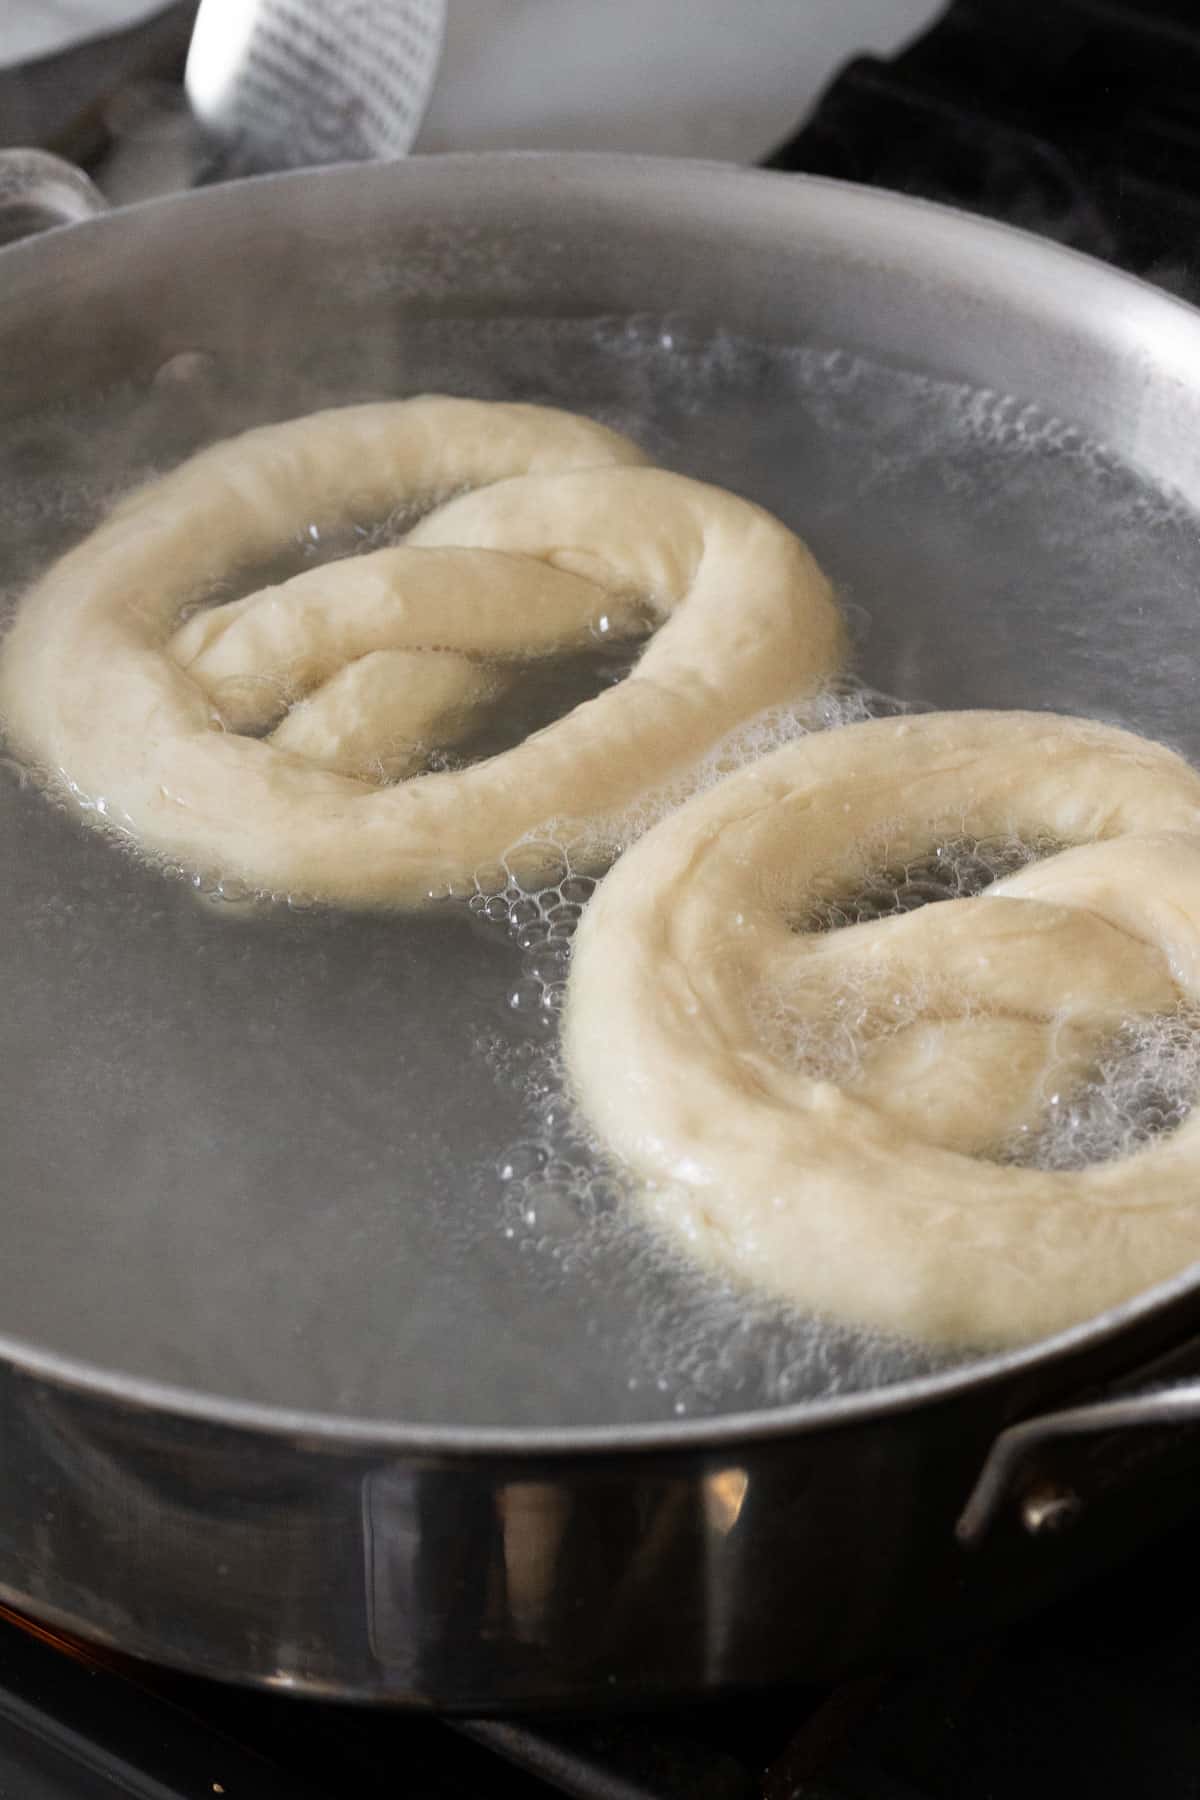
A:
272,739
810,1110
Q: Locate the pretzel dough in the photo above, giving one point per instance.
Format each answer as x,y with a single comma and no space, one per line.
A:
355,667
854,1194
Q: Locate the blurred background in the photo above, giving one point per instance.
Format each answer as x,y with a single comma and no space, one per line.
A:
99,79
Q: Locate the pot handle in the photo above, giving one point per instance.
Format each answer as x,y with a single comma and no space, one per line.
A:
1107,1444
39,191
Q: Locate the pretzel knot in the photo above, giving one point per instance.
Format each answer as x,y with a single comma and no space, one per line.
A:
269,739
702,1023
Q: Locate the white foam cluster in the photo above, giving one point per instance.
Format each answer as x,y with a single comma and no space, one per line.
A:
1146,1076
829,1042
1145,1082
956,870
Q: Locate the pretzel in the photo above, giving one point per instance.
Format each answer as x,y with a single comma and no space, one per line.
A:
854,1186
347,675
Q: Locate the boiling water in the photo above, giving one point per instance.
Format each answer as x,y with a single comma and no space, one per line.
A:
323,1160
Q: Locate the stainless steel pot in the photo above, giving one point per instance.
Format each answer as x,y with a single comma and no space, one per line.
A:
253,1534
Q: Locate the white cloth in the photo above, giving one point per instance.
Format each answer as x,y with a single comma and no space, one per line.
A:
718,78
668,77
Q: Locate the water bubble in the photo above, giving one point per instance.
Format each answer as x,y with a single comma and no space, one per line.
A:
555,1114
524,998
548,962
521,1161
605,1195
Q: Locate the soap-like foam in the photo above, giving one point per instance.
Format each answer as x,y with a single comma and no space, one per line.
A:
1145,1082
1145,1077
830,1044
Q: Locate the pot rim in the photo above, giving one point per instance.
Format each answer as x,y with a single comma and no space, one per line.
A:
1025,258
